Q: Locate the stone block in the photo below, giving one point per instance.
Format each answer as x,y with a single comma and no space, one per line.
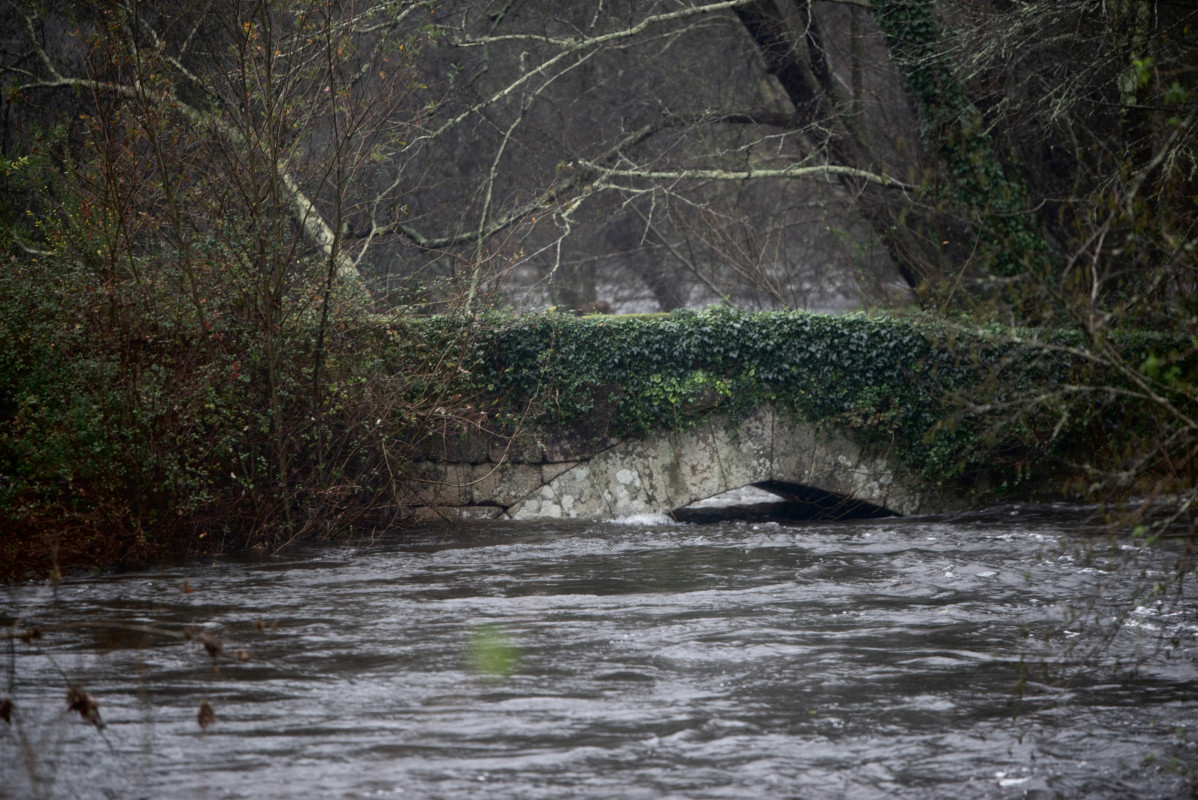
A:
470,447
521,448
665,471
623,479
793,453
438,485
550,472
577,493
564,445
503,484
540,504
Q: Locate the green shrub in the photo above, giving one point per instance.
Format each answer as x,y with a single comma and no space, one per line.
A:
958,401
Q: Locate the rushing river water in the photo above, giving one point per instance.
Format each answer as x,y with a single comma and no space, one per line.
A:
870,659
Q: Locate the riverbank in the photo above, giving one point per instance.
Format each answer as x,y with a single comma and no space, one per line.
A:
187,449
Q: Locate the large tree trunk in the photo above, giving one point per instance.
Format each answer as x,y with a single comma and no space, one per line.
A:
791,44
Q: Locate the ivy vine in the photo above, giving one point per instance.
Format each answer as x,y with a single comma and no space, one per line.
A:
955,402
952,127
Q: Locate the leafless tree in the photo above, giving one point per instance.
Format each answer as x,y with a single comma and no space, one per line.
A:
195,215
588,146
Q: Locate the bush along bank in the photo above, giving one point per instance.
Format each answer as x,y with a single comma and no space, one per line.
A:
130,432
154,443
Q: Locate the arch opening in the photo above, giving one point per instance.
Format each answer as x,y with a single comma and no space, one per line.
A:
779,501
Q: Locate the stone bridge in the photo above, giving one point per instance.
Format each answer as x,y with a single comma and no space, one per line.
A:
560,476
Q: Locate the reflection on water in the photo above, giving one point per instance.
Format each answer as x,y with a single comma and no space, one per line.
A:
865,659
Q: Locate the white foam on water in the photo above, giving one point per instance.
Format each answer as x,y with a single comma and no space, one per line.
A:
644,519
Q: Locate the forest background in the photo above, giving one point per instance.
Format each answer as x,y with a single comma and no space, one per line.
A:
221,219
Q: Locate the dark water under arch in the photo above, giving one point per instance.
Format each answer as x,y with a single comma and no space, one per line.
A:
788,502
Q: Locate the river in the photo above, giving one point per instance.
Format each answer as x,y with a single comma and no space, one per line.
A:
631,659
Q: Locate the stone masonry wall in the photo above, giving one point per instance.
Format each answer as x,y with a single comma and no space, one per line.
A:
557,475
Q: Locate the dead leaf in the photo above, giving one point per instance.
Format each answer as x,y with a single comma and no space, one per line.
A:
206,715
86,704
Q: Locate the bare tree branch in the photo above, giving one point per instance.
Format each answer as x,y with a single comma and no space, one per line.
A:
820,171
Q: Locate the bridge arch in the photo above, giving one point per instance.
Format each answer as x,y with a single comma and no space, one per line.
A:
771,449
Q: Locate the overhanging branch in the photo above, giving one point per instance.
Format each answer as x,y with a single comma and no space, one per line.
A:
818,171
